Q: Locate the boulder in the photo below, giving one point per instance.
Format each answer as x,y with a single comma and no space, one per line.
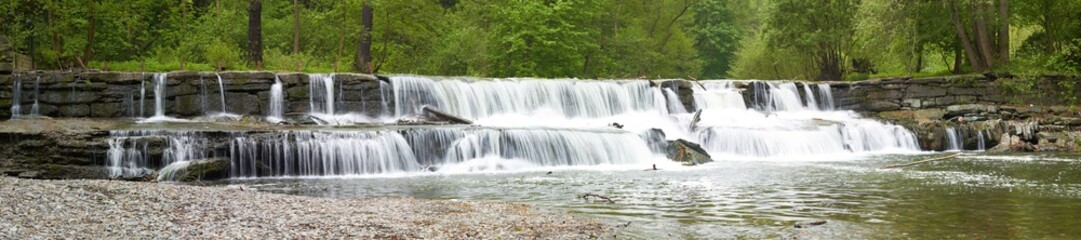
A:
687,152
195,170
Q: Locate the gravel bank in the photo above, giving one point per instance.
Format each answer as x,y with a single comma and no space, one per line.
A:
31,209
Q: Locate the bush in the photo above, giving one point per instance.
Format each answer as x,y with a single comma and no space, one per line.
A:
221,55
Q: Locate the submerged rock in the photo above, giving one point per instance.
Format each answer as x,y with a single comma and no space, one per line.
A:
195,170
687,152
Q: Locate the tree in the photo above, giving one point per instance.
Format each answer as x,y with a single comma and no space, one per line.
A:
363,60
821,31
296,27
716,37
255,33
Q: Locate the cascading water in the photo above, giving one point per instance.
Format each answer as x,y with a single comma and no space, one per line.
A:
37,95
335,153
16,99
321,93
142,98
274,109
954,141
530,124
782,123
563,98
159,95
160,82
221,92
980,144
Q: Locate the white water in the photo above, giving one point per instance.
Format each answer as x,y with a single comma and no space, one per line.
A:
274,109
954,141
221,91
160,84
346,153
37,94
531,124
980,144
16,99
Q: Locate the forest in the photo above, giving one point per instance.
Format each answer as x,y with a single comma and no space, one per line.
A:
694,39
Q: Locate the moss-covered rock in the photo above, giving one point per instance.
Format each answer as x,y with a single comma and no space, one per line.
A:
195,170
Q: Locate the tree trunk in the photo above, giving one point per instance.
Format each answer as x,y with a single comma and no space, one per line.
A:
296,27
962,35
1004,32
363,60
957,59
983,35
255,33
88,52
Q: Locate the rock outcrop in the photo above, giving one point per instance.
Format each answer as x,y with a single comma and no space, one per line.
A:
687,152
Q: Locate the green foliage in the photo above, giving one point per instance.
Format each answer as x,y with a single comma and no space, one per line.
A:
223,55
1068,92
770,39
717,37
1018,88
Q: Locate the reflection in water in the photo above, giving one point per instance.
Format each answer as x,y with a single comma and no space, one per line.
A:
973,197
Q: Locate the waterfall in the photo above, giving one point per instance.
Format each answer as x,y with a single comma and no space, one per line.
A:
321,93
142,98
527,124
954,140
809,97
203,92
563,98
221,92
274,109
785,121
134,153
980,144
159,95
160,82
340,153
37,95
825,95
16,99
674,105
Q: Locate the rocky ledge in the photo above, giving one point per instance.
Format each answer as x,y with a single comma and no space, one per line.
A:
55,209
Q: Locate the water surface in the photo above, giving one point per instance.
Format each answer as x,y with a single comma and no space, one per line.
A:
976,196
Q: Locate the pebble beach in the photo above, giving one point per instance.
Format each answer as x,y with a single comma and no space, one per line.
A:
80,209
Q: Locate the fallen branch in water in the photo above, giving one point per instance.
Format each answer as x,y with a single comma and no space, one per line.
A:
921,161
695,80
598,196
810,224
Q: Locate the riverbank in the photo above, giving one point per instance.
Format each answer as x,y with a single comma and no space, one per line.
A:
117,209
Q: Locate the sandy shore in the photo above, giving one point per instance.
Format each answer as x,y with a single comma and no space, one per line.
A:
33,209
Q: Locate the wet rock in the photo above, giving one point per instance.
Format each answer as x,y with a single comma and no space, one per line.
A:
687,152
195,170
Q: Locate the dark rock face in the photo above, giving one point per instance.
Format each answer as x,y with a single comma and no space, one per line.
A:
188,94
975,107
37,149
687,152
